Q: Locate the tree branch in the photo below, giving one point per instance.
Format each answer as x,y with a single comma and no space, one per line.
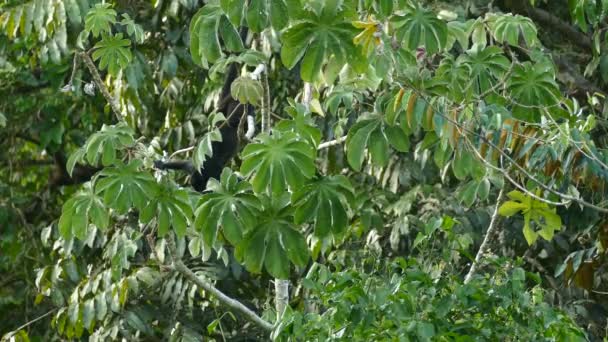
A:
331,143
102,87
486,239
180,267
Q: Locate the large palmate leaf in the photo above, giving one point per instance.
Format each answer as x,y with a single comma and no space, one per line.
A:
325,203
534,211
420,27
113,53
301,123
507,28
208,25
78,211
100,19
456,73
124,186
103,144
274,242
486,66
230,206
532,87
376,135
319,36
171,207
247,90
278,161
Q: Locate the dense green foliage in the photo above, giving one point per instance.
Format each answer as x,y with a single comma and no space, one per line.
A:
386,135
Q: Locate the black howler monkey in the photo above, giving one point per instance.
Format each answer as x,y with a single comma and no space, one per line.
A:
224,150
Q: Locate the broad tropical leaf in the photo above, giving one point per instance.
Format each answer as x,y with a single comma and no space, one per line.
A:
171,207
419,27
100,19
103,144
507,28
533,88
277,162
274,242
83,208
230,206
324,202
534,211
113,53
124,186
320,36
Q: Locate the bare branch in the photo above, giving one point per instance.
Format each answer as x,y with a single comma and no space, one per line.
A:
331,143
179,266
102,87
485,244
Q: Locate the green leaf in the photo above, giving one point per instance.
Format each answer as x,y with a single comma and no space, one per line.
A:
172,208
314,58
257,16
247,90
113,53
84,207
325,203
357,140
134,30
486,66
278,161
532,87
295,42
534,211
397,138
506,28
275,262
230,35
302,124
124,186
204,148
317,36
99,19
204,38
279,15
419,27
274,242
234,9
234,207
385,7
115,137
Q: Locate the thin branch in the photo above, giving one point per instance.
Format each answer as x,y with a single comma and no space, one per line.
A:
102,87
484,245
331,143
35,320
183,150
265,103
514,163
180,267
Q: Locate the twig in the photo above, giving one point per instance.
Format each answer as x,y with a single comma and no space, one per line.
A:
179,266
265,103
102,87
331,143
513,162
35,320
486,239
183,150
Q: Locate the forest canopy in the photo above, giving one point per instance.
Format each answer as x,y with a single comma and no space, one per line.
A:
408,170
